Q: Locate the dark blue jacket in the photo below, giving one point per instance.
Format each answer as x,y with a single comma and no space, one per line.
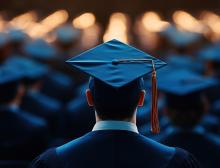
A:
114,149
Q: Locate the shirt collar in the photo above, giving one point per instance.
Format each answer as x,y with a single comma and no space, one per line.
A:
115,125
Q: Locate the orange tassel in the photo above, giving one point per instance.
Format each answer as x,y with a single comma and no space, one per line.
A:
155,127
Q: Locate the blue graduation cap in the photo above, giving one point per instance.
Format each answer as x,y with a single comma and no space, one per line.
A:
31,70
67,34
40,49
9,74
184,82
117,64
180,38
16,35
210,53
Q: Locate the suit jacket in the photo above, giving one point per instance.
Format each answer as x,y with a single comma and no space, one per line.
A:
114,149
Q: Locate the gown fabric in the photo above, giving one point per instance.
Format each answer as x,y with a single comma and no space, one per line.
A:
114,149
205,147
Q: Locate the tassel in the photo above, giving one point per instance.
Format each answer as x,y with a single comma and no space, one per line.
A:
155,128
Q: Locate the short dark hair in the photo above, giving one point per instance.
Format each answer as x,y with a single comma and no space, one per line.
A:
115,103
8,92
185,111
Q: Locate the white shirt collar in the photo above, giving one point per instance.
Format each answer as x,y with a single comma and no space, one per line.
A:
115,125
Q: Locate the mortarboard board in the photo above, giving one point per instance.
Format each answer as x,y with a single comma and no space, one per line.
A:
16,35
67,34
210,53
40,49
31,69
180,38
118,64
184,82
182,61
9,74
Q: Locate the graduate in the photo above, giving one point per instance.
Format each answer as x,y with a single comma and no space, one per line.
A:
47,54
186,106
210,57
23,135
115,92
67,44
34,101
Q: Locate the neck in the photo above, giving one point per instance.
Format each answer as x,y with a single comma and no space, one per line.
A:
132,119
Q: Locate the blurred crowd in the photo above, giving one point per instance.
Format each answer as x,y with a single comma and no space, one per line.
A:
42,99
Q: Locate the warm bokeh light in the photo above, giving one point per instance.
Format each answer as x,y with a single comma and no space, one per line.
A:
2,23
37,30
84,21
55,19
147,40
117,28
23,21
153,23
48,24
213,21
187,22
90,36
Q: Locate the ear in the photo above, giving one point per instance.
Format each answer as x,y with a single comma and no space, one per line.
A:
89,98
141,99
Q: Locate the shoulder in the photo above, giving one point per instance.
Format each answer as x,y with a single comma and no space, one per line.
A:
45,160
75,145
156,146
183,159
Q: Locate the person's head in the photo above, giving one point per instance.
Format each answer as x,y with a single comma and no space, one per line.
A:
11,92
115,103
186,111
66,37
5,47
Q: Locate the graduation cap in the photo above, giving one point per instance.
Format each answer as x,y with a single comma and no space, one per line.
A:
40,49
180,38
67,34
31,70
210,53
9,74
117,64
184,82
16,35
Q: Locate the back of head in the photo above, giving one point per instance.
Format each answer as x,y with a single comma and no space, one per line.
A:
185,111
115,103
8,92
